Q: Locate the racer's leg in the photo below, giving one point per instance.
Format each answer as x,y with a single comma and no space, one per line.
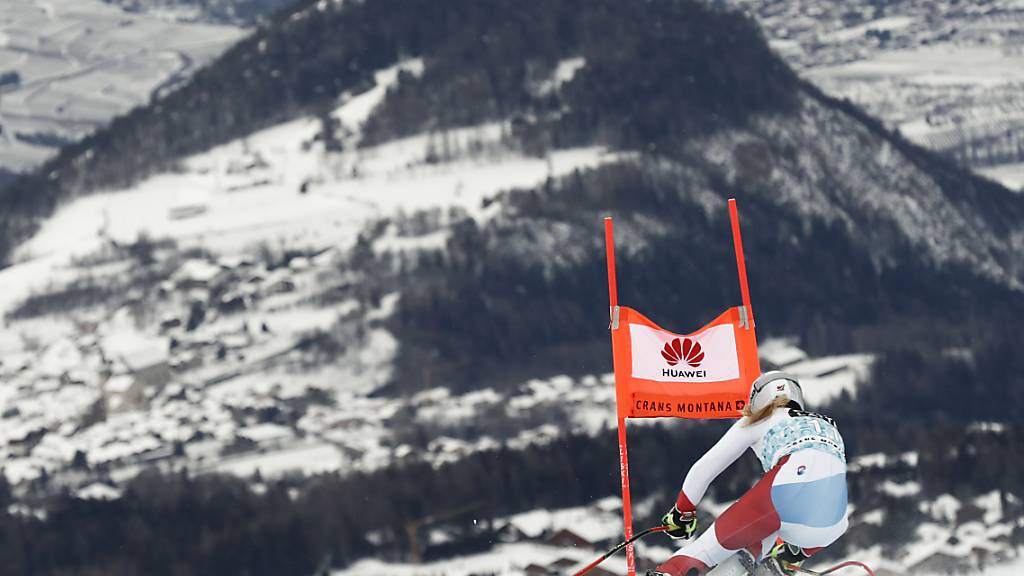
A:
744,525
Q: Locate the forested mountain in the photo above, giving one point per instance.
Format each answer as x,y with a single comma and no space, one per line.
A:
694,91
856,241
661,91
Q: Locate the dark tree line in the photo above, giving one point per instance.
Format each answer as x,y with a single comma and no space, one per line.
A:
655,74
171,525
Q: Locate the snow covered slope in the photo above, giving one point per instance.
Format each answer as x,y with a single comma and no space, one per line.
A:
279,187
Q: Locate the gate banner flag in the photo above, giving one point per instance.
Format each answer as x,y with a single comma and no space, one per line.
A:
706,374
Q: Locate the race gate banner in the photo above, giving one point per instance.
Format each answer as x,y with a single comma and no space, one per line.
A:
706,374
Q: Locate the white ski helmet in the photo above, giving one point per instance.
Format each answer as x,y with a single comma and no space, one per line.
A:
770,385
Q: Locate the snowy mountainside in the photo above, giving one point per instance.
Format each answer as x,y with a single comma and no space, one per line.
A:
393,286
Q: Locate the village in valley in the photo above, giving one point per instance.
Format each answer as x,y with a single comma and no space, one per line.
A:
261,367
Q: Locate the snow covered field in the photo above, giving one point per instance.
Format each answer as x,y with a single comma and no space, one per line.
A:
279,187
79,63
1010,175
949,76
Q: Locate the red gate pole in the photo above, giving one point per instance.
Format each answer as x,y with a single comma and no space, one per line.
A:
741,263
613,309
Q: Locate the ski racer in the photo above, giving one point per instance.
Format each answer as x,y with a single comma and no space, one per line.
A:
801,499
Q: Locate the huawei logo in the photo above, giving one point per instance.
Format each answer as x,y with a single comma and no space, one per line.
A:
685,351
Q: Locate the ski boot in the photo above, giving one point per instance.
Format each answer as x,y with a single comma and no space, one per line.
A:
782,557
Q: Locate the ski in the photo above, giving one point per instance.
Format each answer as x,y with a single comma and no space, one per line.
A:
848,564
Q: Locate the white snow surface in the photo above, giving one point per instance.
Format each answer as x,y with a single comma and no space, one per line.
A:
357,109
985,66
822,379
604,523
879,460
564,72
313,458
853,32
1009,175
901,489
782,352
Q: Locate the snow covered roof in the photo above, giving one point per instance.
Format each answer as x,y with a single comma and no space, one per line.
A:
136,351
203,449
307,459
59,357
18,470
234,260
98,491
120,383
118,450
197,270
266,433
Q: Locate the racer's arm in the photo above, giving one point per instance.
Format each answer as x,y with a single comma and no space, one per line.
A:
735,441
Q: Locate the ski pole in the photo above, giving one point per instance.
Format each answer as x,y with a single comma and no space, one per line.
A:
620,546
832,569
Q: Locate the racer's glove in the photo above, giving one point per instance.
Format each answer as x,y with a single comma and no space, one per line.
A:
680,525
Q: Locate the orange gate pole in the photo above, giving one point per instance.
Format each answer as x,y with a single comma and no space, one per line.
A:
613,309
741,263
